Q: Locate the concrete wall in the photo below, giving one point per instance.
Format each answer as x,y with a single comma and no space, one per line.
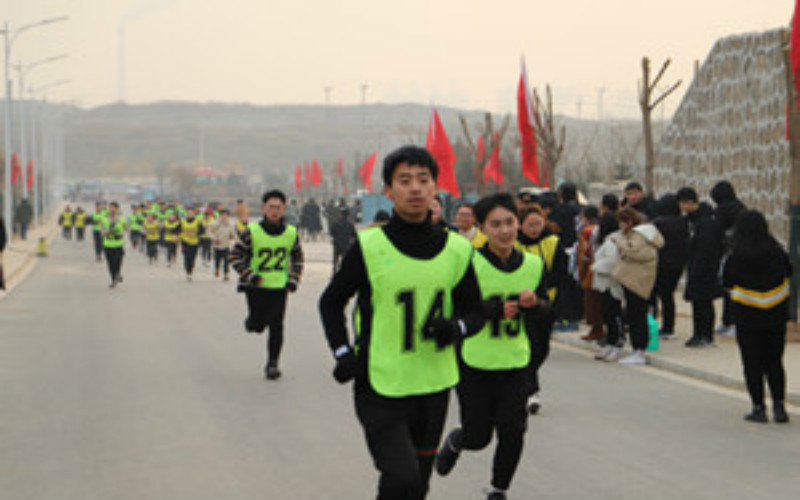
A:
732,125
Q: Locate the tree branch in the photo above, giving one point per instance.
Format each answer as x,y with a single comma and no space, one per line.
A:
660,74
665,94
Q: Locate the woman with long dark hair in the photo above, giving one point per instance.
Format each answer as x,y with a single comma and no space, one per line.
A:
757,276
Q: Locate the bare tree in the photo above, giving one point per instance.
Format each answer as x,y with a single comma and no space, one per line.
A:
490,139
549,140
647,104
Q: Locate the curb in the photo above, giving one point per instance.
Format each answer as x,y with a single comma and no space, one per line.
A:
28,262
671,366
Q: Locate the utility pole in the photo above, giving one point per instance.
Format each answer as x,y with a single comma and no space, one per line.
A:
600,92
364,88
328,90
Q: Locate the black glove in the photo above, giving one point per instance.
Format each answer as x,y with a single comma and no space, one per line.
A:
443,331
291,287
346,367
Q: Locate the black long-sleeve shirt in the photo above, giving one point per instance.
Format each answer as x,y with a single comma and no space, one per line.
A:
419,241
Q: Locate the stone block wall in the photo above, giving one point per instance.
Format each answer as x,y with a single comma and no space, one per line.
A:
731,125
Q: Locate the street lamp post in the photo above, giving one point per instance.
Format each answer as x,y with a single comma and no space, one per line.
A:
37,144
24,71
8,39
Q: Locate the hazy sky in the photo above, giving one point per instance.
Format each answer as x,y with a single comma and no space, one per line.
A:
460,53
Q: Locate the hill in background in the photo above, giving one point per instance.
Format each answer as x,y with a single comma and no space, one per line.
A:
270,141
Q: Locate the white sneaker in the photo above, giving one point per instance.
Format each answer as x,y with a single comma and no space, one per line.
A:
635,358
723,329
605,352
613,354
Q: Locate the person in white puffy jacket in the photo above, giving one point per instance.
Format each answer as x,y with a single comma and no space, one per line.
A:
606,256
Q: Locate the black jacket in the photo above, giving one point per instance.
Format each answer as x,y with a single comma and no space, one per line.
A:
759,274
343,232
646,207
24,213
564,216
703,255
675,230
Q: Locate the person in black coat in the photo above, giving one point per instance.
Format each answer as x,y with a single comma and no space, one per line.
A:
565,213
343,232
569,308
671,258
702,265
757,275
23,216
728,207
3,240
310,219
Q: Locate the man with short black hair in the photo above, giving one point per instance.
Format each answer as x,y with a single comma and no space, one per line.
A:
269,260
635,198
702,265
609,204
569,308
417,295
113,228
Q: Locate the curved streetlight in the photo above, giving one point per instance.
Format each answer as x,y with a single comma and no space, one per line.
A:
23,71
41,179
9,36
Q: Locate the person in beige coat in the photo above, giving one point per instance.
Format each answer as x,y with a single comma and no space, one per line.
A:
223,233
636,269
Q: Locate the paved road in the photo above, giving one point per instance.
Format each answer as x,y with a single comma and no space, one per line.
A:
153,390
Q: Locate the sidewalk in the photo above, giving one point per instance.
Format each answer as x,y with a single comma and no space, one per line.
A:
19,257
721,364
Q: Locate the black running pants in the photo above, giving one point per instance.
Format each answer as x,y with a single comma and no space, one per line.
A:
402,436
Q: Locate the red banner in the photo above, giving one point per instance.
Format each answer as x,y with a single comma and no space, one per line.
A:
530,166
439,146
298,179
29,173
316,174
794,48
493,169
366,171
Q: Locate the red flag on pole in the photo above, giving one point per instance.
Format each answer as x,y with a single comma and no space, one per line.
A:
481,149
307,172
794,48
366,171
530,167
16,172
29,174
340,168
493,169
298,179
316,174
442,151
